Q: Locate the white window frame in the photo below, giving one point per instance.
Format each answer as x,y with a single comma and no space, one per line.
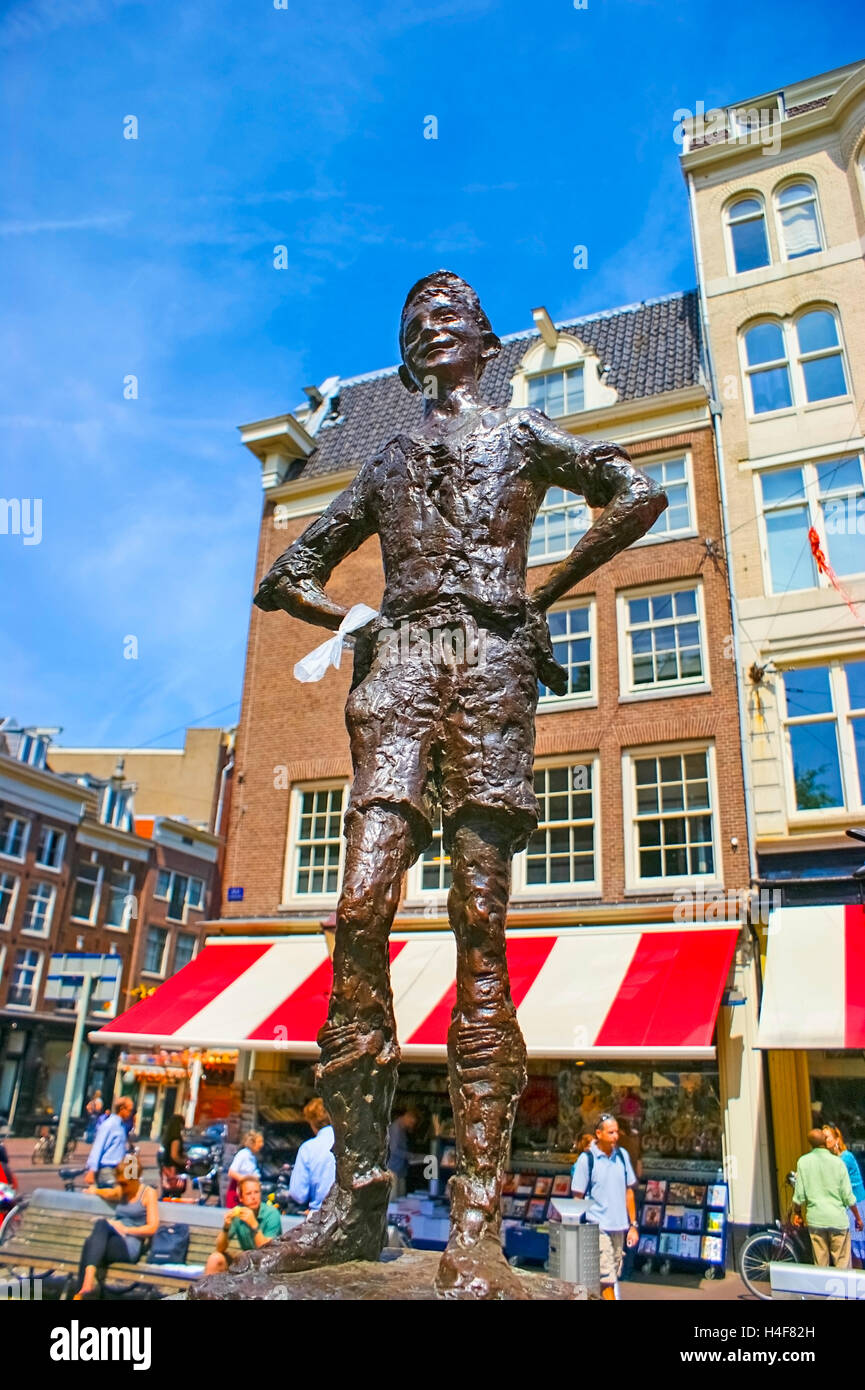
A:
523,891
793,360
572,502
743,196
123,924
748,371
562,371
6,924
692,685
174,966
811,500
160,973
173,875
97,892
120,817
59,840
34,747
37,981
633,882
552,704
839,350
49,911
415,891
681,533
25,838
199,906
781,188
289,896
842,715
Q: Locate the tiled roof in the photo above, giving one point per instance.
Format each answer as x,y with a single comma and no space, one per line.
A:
648,348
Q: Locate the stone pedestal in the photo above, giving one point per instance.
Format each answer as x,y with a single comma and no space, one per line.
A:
403,1276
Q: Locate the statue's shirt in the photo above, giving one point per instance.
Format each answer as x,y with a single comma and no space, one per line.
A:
454,514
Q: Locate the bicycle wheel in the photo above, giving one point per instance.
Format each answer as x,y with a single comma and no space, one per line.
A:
758,1252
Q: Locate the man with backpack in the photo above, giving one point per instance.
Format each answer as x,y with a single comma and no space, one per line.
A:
605,1174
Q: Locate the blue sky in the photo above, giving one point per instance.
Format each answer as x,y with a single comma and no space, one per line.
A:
154,257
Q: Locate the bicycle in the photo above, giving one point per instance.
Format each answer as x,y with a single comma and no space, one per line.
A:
784,1242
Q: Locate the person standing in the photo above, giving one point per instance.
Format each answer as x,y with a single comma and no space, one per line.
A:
95,1112
835,1144
399,1154
110,1145
314,1171
173,1180
604,1173
822,1197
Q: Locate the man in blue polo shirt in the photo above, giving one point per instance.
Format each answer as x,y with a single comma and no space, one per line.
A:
110,1145
605,1174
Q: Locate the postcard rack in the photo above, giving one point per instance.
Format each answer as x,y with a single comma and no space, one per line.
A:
682,1225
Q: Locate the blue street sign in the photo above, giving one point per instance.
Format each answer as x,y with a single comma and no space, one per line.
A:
235,895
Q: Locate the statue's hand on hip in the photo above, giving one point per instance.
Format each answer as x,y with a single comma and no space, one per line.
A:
553,676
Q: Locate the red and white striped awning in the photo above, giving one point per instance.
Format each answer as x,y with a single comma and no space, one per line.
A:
814,991
579,992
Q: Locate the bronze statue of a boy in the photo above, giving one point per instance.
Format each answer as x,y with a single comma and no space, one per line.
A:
453,506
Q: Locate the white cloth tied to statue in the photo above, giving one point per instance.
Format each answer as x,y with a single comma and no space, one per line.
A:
313,666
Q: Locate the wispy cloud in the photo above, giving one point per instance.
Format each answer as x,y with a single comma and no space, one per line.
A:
33,19
101,222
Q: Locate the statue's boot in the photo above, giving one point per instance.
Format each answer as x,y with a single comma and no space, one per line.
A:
487,1076
357,1082
474,1265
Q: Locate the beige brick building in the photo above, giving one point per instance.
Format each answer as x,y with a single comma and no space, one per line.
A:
182,782
777,194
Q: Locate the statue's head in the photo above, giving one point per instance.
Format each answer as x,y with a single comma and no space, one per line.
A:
444,334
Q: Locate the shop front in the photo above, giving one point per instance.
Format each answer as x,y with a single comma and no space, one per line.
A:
164,1082
812,1027
655,1025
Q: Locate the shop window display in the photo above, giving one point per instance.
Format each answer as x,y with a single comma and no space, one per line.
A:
663,1114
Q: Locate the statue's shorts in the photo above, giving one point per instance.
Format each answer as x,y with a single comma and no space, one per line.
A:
444,719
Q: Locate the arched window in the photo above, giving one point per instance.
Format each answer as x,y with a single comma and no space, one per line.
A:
798,216
746,224
767,368
821,358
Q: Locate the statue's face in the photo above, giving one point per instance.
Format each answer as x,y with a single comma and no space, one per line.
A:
442,339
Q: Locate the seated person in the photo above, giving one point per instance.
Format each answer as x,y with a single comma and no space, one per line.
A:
110,1242
251,1224
244,1165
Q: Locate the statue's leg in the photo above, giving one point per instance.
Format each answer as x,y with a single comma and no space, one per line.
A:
357,1071
487,1063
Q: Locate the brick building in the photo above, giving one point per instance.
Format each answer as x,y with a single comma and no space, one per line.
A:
777,196
78,875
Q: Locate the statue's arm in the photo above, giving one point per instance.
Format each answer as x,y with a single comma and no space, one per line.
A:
604,475
295,582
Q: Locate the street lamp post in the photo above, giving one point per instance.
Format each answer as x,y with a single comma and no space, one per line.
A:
74,1063
84,977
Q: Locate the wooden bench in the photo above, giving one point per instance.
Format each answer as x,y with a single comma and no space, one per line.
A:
48,1233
